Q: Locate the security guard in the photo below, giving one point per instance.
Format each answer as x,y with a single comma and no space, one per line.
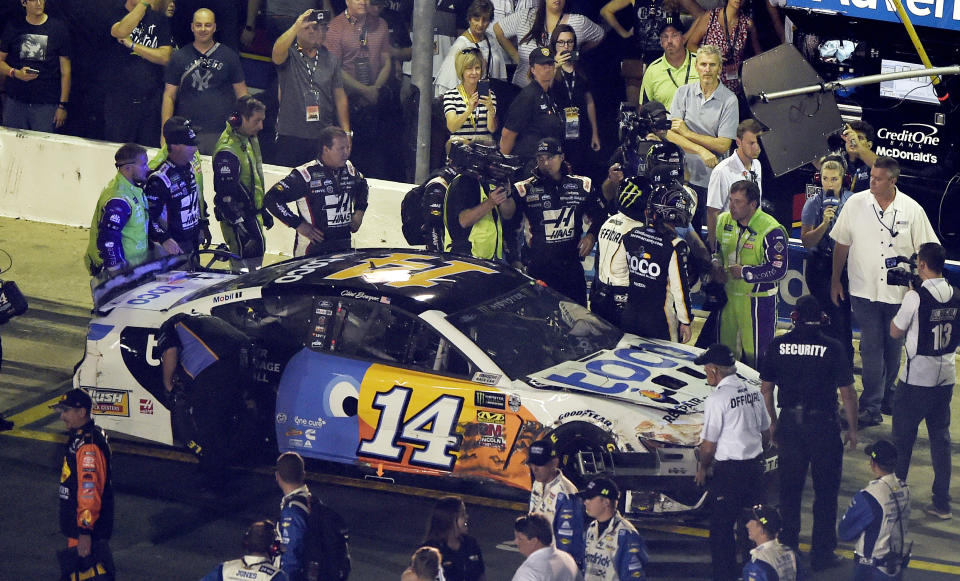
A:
807,431
608,294
659,294
735,429
555,204
770,560
615,551
877,518
554,496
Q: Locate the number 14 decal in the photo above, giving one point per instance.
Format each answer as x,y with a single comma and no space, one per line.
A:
433,431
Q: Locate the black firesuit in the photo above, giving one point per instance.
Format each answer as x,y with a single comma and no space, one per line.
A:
434,193
555,211
326,197
177,208
808,367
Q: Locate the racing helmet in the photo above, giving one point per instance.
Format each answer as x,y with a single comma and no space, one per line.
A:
664,153
665,175
632,197
673,205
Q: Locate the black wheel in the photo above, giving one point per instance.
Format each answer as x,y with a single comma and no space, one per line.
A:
584,452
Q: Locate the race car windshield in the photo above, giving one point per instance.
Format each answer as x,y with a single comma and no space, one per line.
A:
534,328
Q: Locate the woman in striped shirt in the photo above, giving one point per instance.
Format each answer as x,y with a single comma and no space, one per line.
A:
470,116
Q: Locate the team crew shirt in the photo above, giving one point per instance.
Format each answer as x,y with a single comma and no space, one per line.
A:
476,124
556,500
555,210
518,24
292,530
789,359
716,116
86,490
177,208
661,80
926,370
734,417
771,561
617,553
725,174
612,267
874,235
247,568
326,197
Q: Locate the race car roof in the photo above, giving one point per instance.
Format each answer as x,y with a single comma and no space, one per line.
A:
411,279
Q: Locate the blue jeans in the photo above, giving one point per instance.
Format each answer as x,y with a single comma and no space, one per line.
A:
911,405
879,352
33,116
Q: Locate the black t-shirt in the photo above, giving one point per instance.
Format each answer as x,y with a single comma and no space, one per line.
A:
205,82
533,115
464,564
38,46
788,363
570,90
134,75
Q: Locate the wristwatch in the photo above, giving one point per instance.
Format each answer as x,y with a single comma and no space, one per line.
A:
349,133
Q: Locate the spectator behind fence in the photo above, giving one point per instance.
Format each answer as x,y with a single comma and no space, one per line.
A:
705,113
478,35
470,117
447,531
203,81
571,92
532,29
897,227
361,42
35,59
727,27
675,68
327,214
543,561
930,319
312,97
534,114
132,105
424,566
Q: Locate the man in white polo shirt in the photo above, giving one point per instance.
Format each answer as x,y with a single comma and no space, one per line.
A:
875,227
735,429
742,165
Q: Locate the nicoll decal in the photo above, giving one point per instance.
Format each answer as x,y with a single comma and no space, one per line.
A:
908,143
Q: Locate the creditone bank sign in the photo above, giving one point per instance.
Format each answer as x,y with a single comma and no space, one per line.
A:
910,142
943,14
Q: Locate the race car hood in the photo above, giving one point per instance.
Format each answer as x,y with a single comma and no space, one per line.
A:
638,371
165,291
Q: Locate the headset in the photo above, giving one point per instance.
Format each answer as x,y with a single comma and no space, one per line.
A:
236,118
255,536
795,319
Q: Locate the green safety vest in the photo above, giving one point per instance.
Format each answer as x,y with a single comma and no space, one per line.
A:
486,236
247,150
136,247
745,248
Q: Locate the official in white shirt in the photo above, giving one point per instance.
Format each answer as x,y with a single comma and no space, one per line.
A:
544,562
742,165
735,429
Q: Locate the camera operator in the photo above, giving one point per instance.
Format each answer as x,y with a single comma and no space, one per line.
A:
817,218
555,204
608,295
478,199
659,293
875,227
929,319
638,131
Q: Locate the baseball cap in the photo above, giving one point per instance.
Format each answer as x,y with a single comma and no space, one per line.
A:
883,453
549,146
541,452
73,399
601,487
177,131
716,354
768,516
541,56
671,21
808,309
653,108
